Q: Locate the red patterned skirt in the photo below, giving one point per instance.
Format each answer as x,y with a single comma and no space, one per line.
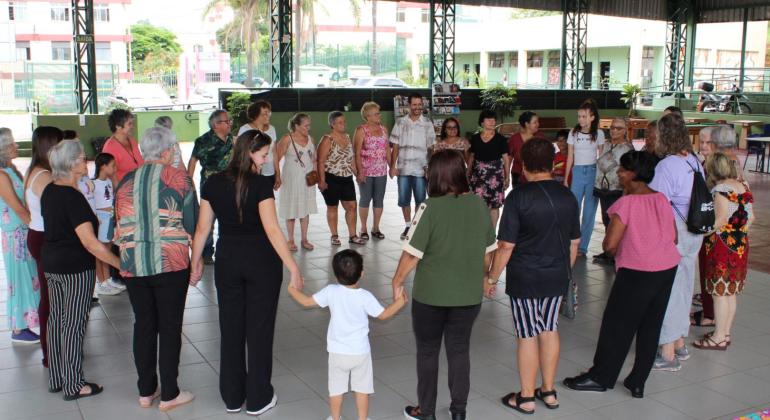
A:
725,269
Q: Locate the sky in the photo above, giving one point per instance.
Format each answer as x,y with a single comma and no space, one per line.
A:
183,17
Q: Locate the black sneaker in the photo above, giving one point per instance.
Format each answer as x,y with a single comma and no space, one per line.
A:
404,233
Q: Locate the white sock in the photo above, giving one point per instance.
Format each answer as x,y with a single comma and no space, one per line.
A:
408,224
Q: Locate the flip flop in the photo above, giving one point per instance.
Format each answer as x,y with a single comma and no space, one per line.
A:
364,236
378,235
336,240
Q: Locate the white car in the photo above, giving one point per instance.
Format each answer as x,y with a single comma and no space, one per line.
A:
380,82
206,95
141,96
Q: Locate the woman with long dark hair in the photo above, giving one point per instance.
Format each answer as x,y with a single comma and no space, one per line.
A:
584,142
247,270
37,178
530,128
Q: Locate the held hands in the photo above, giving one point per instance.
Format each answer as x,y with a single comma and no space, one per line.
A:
393,172
489,290
401,296
360,179
296,281
277,184
196,271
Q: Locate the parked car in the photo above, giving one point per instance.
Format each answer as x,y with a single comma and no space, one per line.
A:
379,82
141,96
206,95
257,82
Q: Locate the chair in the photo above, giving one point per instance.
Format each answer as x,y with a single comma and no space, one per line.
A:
757,148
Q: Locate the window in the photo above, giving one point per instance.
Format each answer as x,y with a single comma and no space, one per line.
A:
20,89
17,11
424,16
103,52
60,13
400,15
514,59
554,58
534,59
101,12
23,51
61,51
213,77
496,60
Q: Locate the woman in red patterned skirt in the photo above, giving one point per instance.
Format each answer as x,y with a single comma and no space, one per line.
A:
727,248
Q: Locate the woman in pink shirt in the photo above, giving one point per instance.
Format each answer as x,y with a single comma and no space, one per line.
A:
642,238
121,145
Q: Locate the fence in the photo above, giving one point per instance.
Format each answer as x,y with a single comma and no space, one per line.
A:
50,88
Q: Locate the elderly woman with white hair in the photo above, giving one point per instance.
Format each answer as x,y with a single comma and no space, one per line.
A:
20,269
167,122
69,247
156,210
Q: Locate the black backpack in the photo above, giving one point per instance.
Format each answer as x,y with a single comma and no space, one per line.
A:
700,216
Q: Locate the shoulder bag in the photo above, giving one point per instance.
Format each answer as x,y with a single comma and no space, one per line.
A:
311,178
570,303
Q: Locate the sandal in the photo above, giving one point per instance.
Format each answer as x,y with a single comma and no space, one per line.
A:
506,400
292,246
708,343
95,390
697,320
541,395
727,337
378,235
364,236
336,240
356,240
307,246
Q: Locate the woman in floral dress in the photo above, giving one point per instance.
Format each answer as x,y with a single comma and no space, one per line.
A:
20,269
489,164
727,248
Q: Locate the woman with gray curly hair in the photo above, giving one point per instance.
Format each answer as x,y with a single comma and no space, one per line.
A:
69,247
156,210
20,269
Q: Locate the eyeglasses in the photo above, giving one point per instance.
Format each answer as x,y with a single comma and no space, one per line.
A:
617,128
225,121
451,127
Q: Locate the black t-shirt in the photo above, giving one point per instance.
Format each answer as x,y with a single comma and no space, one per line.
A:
494,149
219,191
539,263
63,209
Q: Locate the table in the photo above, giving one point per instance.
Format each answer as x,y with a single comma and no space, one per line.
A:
696,120
745,128
760,166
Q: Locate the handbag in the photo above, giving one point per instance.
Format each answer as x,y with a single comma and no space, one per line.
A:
570,303
311,178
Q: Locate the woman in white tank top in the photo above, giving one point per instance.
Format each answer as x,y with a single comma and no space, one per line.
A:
38,177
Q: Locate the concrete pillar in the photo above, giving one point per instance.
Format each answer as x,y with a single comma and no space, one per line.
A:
636,51
483,66
521,80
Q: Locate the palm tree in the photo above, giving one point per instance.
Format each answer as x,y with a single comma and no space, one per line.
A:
243,29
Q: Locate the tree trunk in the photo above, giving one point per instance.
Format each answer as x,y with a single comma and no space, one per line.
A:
249,50
297,35
374,37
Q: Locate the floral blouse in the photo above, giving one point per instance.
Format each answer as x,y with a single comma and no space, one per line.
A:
734,233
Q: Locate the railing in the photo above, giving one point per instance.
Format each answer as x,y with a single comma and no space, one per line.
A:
755,79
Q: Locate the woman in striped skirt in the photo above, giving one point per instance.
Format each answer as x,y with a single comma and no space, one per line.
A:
538,239
69,247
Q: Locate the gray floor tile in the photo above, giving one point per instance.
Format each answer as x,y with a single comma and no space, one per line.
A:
741,387
697,401
641,409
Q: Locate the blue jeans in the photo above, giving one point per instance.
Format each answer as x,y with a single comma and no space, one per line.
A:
583,177
408,184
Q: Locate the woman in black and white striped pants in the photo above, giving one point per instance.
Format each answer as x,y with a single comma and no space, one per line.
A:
69,249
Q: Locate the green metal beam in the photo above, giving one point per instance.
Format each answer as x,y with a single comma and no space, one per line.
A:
281,43
689,57
441,51
85,56
743,47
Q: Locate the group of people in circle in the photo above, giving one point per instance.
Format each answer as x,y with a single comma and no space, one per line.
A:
60,229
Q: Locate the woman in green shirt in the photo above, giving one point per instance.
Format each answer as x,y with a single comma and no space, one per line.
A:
450,244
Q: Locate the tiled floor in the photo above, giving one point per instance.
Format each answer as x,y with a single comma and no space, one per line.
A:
711,384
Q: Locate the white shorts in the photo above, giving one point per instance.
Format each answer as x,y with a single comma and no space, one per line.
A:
357,368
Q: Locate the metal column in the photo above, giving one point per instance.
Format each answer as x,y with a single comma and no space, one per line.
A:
281,43
679,11
573,43
85,56
441,50
743,47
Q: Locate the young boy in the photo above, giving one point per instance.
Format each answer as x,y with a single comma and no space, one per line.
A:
347,339
560,159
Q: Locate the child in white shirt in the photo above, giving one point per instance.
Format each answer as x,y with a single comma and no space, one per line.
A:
104,198
348,335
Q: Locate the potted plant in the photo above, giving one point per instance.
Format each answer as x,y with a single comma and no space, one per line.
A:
500,99
629,96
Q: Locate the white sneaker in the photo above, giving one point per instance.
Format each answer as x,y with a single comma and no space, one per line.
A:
116,285
104,288
264,409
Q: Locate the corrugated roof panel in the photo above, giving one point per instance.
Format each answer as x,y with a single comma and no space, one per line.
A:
734,15
648,9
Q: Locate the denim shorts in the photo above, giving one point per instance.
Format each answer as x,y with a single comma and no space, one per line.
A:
407,185
105,226
373,190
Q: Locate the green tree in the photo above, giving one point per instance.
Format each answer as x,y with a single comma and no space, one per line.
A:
147,39
243,32
530,13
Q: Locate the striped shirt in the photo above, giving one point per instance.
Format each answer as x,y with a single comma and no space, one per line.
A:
156,210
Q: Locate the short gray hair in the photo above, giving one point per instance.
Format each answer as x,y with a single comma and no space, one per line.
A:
63,158
214,115
6,144
723,137
155,141
164,121
333,117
